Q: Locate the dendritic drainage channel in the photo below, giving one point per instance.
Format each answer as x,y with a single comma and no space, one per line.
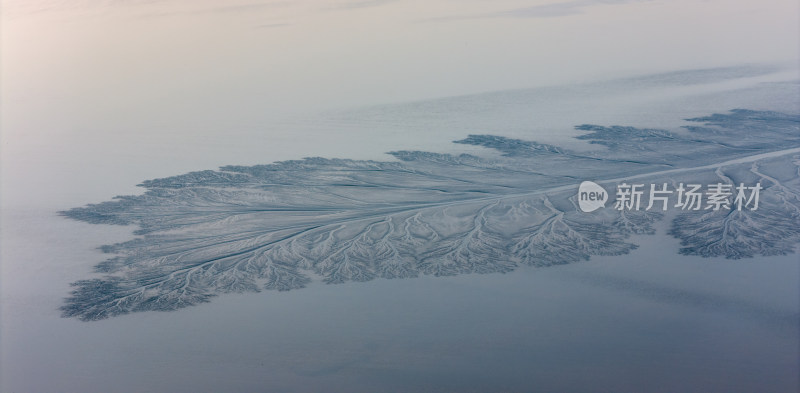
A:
267,227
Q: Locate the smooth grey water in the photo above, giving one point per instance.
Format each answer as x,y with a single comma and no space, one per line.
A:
645,321
650,320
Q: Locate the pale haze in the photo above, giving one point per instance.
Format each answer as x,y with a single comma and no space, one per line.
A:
97,96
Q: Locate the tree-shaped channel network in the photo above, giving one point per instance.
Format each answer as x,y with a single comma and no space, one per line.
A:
268,227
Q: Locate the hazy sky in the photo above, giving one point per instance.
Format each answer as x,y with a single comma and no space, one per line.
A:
165,58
